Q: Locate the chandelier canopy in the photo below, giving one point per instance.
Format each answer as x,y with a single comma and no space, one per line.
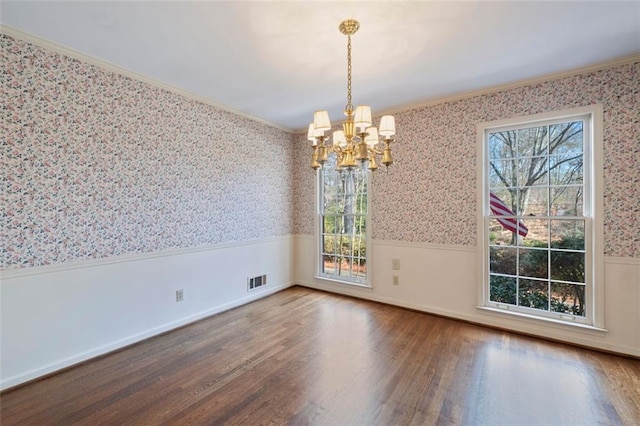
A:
358,141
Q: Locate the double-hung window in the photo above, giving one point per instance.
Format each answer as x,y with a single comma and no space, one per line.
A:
541,216
343,206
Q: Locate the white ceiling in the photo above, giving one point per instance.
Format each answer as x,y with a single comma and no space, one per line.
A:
281,61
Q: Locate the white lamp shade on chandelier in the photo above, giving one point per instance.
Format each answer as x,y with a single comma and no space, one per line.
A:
372,137
363,117
339,138
321,121
387,126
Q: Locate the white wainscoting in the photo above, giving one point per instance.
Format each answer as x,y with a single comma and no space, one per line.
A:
443,280
56,316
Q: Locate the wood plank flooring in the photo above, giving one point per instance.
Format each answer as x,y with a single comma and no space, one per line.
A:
307,357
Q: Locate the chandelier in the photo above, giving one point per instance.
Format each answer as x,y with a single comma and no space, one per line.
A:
358,141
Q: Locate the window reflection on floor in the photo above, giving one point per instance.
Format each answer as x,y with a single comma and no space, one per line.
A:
542,388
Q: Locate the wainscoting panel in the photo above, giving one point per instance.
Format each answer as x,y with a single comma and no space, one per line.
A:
56,316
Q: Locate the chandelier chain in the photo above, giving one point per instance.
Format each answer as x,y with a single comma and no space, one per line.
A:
349,106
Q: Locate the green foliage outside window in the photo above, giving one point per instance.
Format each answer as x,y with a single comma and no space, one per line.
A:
563,292
342,248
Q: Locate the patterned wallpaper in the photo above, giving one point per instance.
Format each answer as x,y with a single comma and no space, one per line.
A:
429,194
95,164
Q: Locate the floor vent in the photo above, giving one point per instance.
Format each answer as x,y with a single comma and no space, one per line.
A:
256,282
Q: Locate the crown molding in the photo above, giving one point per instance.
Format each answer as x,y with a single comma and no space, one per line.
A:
517,84
108,66
624,60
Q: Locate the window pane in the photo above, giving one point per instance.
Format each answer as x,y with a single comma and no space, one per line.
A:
532,141
332,203
359,245
502,173
566,169
330,224
533,263
345,245
503,260
566,138
330,245
533,171
502,145
566,201
568,298
567,266
506,196
533,294
329,263
567,234
538,233
534,201
499,235
502,289
361,203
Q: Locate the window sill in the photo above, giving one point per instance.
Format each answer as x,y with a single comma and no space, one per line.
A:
344,282
577,325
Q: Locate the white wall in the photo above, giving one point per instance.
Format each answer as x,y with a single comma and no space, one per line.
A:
55,316
443,280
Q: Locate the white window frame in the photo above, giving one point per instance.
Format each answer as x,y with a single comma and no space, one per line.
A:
594,216
365,283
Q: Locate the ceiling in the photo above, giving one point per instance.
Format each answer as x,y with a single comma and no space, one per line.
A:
281,61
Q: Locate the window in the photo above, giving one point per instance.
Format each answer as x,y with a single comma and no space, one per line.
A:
539,217
343,218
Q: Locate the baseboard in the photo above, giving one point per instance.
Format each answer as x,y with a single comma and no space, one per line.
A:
47,370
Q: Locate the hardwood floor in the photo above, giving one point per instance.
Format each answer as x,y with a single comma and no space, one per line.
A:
307,357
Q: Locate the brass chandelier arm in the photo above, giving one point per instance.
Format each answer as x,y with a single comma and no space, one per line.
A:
375,150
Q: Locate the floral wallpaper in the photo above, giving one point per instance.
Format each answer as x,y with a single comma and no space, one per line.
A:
429,194
95,164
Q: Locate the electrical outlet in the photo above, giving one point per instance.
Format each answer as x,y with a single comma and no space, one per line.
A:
396,280
395,264
179,295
